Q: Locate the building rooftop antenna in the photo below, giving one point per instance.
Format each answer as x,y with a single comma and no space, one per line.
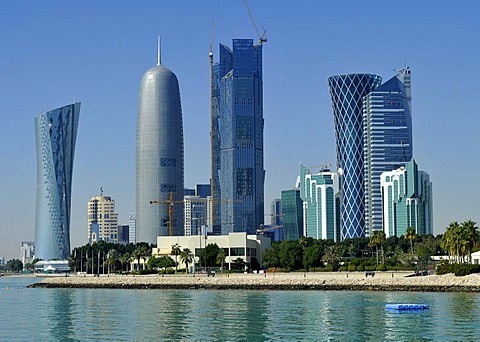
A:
159,52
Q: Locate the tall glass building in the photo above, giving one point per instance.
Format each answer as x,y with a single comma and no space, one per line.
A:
407,200
238,172
55,136
387,139
347,92
321,198
159,155
292,209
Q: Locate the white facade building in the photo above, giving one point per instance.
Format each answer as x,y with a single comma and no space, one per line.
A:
102,221
27,252
132,218
195,214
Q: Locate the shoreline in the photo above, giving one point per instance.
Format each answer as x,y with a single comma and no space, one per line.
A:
352,281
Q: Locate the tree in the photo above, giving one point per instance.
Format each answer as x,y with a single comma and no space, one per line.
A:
14,265
411,235
112,258
186,256
221,257
125,260
239,264
176,251
378,239
471,237
332,257
141,252
208,257
312,257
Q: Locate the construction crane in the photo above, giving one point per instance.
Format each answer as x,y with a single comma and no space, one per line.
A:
262,38
322,168
212,137
170,203
263,229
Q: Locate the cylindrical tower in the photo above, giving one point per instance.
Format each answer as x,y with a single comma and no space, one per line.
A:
347,93
159,155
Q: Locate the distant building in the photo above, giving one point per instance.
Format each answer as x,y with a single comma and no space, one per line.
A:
276,212
188,192
131,228
347,92
321,198
237,111
27,252
202,190
102,221
2,261
407,200
123,234
292,210
387,139
195,214
55,135
235,245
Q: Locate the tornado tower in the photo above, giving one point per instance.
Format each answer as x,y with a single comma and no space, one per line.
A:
159,155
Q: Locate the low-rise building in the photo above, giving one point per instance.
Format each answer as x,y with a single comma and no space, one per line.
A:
235,245
27,252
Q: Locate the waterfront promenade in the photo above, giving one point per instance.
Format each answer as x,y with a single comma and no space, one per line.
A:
354,281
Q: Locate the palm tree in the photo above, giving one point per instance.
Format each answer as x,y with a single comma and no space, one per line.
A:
221,257
141,252
411,235
125,260
378,239
186,256
331,257
176,251
471,235
112,257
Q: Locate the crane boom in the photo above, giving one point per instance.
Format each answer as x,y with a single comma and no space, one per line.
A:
170,203
262,38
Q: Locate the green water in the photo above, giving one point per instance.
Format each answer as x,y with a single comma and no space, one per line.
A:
205,315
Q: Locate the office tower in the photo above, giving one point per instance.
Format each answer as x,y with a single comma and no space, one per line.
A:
407,200
237,134
123,232
292,210
27,252
321,198
102,221
55,136
387,139
131,228
188,192
195,214
347,92
159,155
276,212
202,190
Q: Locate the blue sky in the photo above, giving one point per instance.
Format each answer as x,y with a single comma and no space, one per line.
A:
97,52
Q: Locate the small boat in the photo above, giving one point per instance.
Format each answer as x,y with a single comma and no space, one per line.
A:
407,307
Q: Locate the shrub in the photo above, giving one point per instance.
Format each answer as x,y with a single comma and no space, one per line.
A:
370,268
342,268
352,268
443,268
461,270
381,267
361,268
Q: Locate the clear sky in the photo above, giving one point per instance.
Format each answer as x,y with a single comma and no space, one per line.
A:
97,51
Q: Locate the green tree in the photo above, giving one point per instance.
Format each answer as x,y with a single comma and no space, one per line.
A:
186,256
332,257
291,255
112,258
411,235
176,251
378,239
14,265
239,264
208,257
221,257
271,256
312,256
125,259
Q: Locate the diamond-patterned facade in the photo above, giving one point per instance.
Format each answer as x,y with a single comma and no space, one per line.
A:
55,133
347,92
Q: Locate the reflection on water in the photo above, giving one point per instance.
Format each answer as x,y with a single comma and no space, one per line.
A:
165,315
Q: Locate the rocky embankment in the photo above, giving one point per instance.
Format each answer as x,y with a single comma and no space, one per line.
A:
355,281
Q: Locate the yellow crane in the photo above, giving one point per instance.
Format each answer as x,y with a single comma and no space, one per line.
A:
170,203
262,38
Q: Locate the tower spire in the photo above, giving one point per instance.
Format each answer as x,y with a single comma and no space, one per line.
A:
159,54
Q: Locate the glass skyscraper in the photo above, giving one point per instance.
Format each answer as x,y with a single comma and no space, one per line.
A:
292,210
159,155
321,197
387,139
407,200
238,172
55,136
347,92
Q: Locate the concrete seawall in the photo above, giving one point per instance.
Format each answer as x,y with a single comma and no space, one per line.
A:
352,281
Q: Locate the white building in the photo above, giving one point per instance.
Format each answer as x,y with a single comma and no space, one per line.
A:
131,228
236,245
27,252
195,214
102,220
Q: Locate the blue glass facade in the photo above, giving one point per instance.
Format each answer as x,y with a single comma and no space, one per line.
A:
387,129
347,92
292,210
238,173
55,136
159,155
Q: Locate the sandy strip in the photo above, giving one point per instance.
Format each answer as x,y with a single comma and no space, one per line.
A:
383,281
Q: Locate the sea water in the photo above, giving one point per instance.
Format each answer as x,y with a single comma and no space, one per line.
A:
230,315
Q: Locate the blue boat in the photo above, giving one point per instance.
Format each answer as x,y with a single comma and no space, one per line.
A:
407,307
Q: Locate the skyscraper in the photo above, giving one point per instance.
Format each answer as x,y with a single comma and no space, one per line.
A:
55,136
321,197
101,213
347,92
387,139
159,154
237,133
292,209
407,200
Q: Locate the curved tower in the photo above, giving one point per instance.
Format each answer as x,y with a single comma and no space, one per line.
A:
159,155
347,93
55,136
